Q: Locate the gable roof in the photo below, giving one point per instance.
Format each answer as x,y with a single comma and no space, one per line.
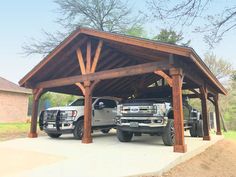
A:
6,85
120,39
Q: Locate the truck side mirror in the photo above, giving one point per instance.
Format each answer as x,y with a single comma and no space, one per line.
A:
99,106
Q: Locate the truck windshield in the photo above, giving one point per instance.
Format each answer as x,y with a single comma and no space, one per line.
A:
80,102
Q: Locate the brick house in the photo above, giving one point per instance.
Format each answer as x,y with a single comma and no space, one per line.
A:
13,102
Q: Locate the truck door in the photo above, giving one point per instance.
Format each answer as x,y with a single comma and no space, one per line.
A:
105,114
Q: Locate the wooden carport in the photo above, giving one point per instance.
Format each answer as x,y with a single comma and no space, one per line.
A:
96,63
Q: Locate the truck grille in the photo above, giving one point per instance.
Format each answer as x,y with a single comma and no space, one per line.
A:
138,110
51,115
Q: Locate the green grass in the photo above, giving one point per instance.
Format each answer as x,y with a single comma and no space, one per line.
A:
14,127
230,135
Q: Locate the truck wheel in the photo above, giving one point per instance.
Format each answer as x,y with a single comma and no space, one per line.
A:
124,136
200,128
193,130
168,135
105,131
79,130
54,135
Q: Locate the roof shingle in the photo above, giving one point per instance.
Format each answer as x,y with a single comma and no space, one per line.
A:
8,86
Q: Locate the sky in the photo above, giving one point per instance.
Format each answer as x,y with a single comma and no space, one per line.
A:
22,20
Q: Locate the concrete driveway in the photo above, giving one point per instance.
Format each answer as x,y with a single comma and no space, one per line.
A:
65,156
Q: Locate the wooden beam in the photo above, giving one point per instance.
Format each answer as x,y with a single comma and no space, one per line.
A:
217,112
88,57
81,61
37,93
87,138
109,74
33,125
165,76
81,87
179,145
75,69
205,118
97,55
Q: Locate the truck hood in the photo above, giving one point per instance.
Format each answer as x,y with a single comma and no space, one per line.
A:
67,108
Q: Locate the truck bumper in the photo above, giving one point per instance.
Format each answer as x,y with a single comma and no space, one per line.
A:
67,131
141,129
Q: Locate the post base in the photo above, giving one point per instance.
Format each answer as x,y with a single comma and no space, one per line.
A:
218,133
87,140
180,148
32,135
206,138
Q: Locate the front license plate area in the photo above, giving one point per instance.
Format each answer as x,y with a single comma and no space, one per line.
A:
134,124
50,126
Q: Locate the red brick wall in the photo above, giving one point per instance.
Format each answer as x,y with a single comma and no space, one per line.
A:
13,107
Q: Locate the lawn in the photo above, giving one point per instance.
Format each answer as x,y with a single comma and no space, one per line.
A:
230,135
14,127
14,130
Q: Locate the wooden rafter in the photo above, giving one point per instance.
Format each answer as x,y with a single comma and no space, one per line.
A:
165,76
81,87
37,93
81,60
88,57
97,55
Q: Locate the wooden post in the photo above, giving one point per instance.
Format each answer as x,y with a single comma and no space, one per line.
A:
179,145
205,118
33,126
217,112
87,138
88,86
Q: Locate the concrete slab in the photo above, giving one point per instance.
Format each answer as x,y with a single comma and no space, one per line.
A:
107,156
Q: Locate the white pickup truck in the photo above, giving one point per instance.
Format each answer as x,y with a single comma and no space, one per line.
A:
70,119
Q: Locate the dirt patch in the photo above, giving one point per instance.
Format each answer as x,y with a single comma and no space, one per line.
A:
218,160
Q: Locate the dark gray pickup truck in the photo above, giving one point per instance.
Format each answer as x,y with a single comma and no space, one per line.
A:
154,117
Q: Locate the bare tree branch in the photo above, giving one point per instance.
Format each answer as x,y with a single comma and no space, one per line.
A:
219,67
105,15
186,12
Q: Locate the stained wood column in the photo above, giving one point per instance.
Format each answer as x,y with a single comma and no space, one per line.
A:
179,145
33,126
205,117
217,112
87,138
88,86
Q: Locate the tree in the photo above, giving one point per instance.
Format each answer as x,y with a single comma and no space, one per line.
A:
186,12
137,31
105,15
233,76
219,67
170,36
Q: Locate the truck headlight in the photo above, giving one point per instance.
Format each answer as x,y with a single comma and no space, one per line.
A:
119,110
70,115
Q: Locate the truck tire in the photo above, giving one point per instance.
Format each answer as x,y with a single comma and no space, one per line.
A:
79,130
200,128
54,135
124,136
168,135
193,130
105,131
